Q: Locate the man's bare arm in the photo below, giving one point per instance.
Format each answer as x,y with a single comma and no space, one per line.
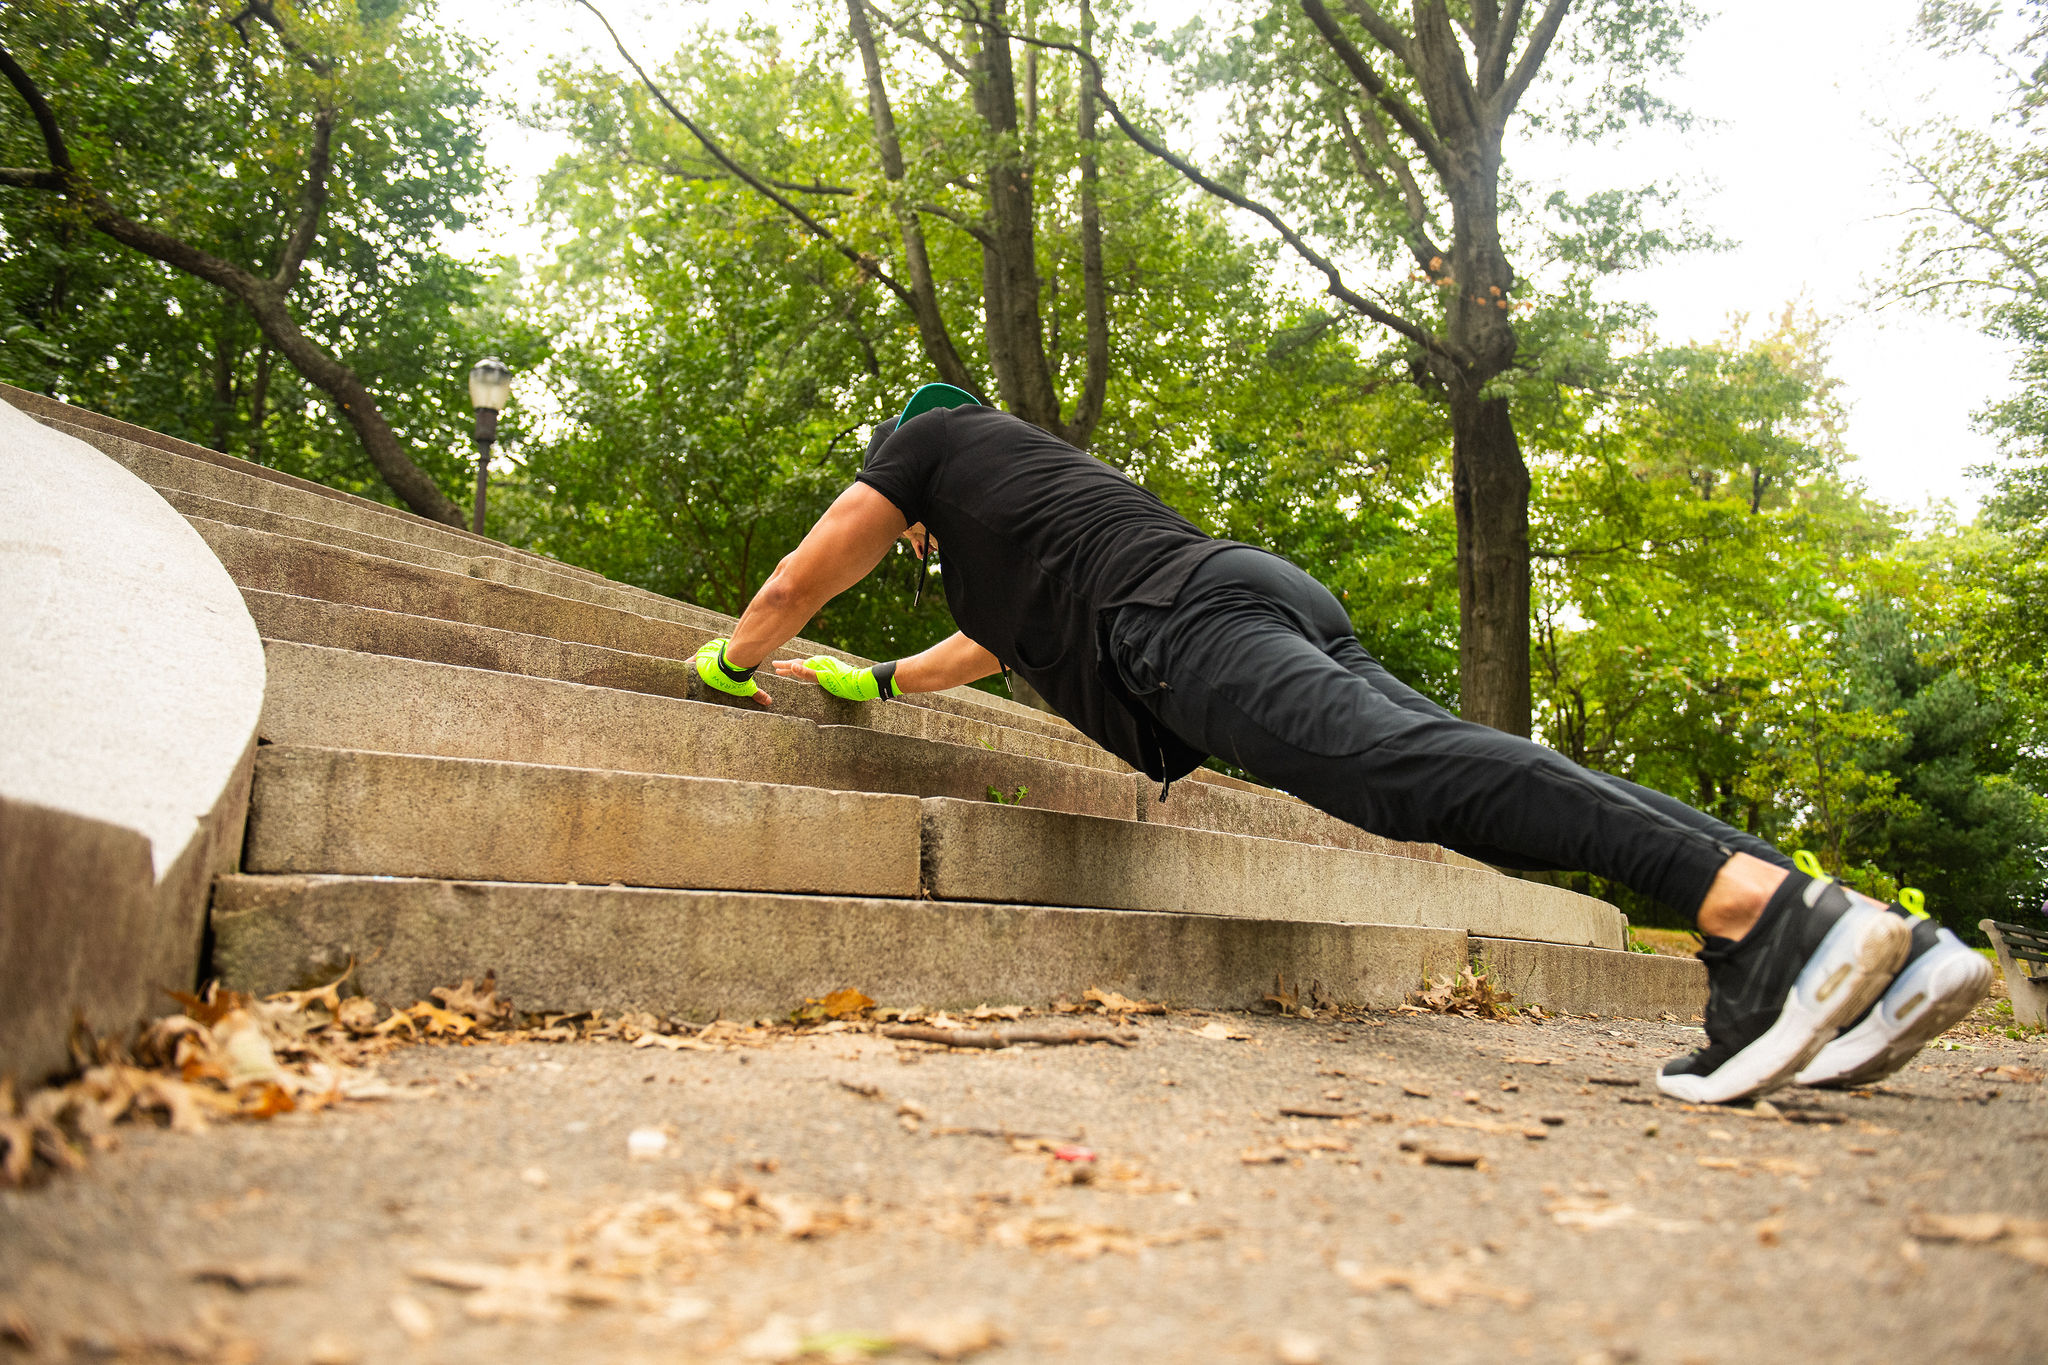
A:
848,541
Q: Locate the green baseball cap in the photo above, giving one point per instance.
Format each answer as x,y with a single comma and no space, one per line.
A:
936,396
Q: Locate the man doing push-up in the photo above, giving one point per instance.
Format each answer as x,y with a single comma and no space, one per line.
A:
1166,646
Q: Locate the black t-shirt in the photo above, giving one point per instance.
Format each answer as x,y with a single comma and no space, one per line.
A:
1039,544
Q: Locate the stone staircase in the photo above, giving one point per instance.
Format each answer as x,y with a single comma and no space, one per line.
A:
472,757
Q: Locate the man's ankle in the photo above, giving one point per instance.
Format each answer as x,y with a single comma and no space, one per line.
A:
1736,900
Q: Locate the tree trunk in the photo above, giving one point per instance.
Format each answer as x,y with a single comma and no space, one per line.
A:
340,383
223,386
1094,290
1490,489
924,297
1009,274
259,398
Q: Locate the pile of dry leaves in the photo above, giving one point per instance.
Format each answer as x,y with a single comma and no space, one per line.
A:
232,1056
1469,993
227,1056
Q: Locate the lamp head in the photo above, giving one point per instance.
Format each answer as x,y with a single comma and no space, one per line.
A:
490,384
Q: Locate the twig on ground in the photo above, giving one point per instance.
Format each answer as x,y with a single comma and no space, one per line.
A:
961,1037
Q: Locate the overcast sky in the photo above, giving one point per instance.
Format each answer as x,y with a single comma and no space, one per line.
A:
1785,162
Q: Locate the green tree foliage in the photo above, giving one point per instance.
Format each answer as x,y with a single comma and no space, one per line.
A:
1722,617
201,125
718,365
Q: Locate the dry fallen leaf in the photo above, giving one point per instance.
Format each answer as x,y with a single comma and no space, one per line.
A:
2018,1075
478,1000
1297,1348
414,1318
946,1336
1220,1031
1433,1288
1112,1003
1974,1227
1595,1215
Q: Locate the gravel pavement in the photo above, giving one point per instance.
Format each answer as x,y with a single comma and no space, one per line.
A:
843,1190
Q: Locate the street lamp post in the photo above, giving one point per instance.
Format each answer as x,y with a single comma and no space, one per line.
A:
490,388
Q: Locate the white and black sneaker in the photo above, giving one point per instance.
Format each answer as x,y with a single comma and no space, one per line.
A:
1941,982
1813,962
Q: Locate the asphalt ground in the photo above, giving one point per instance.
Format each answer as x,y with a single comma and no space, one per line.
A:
841,1191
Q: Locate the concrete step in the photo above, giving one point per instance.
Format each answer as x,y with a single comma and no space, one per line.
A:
165,461
709,953
347,811
338,625
979,851
341,699
268,562
322,810
260,499
172,465
1209,800
467,565
1589,981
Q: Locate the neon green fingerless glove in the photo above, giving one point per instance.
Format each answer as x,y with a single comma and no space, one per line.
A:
716,672
854,684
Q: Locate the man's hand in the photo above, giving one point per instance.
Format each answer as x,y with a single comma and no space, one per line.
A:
716,672
841,680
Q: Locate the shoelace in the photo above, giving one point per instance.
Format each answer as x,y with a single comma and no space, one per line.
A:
1910,897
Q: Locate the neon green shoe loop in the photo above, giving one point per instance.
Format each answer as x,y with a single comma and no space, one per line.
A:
850,684
717,673
1914,901
1810,865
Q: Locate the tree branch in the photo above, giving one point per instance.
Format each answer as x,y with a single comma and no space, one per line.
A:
1335,285
1420,245
46,121
1497,40
861,260
1375,86
1384,32
1510,94
262,10
314,200
265,301
916,33
20,178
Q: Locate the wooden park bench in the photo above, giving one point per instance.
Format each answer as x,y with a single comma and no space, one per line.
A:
2028,986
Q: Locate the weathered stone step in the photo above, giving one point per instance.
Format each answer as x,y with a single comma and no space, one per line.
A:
1623,985
165,461
337,625
978,851
466,565
341,699
347,811
709,953
173,465
321,810
269,562
261,499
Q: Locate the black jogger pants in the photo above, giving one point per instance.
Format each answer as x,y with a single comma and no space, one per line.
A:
1256,663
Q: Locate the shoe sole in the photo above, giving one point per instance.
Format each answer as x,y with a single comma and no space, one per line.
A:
1935,993
1851,968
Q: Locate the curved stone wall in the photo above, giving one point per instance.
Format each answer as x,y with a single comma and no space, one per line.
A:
131,679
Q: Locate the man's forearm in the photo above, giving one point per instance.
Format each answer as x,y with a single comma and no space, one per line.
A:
949,663
837,553
770,621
